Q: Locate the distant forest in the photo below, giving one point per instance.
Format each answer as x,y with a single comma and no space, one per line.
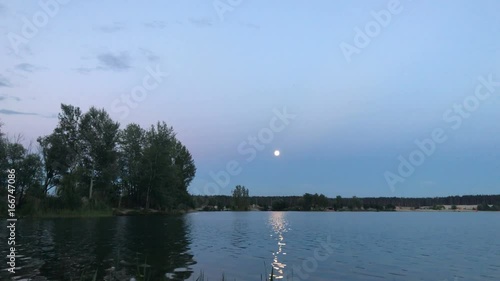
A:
320,202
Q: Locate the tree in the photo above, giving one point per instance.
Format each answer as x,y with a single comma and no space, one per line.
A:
68,160
186,169
28,169
482,207
279,205
322,202
52,152
355,203
390,207
3,158
158,173
240,198
99,135
29,178
338,205
155,168
131,152
307,202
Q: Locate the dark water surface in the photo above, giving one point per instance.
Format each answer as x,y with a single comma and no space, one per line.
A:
432,246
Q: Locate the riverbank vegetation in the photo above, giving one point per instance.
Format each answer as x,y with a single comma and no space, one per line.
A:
487,207
89,164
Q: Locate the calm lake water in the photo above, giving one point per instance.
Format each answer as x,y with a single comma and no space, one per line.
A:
243,245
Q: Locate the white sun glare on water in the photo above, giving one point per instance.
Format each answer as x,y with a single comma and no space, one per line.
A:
276,153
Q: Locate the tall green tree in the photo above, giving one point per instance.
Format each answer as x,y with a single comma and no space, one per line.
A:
159,176
68,161
322,202
53,153
241,198
307,202
29,177
28,171
131,146
186,170
99,135
3,157
355,203
338,204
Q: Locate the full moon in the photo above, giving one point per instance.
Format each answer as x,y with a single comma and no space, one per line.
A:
276,153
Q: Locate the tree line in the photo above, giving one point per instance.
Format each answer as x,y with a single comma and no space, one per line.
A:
89,161
319,202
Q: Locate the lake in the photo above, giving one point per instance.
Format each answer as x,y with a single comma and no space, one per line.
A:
344,246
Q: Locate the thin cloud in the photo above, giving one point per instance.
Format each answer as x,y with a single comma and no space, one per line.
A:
109,62
156,24
6,97
111,28
13,112
4,82
27,67
250,25
152,57
85,70
202,22
113,62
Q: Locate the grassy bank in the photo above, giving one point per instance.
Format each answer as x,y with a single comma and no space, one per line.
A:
96,213
66,213
90,213
73,214
146,212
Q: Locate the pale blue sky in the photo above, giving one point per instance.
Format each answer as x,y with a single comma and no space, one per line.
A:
227,75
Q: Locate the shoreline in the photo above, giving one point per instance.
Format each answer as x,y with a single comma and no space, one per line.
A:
152,212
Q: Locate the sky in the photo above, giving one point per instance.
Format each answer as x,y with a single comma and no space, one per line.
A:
362,98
